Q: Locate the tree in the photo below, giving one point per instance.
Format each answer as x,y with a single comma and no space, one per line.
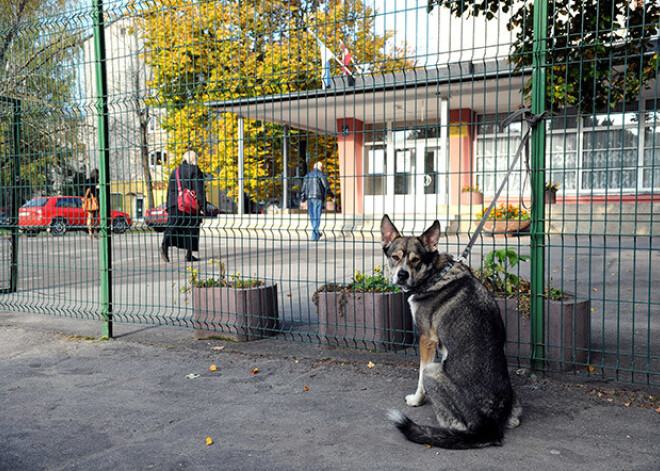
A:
599,52
221,50
36,67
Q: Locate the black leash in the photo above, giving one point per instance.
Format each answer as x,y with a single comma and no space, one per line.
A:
533,120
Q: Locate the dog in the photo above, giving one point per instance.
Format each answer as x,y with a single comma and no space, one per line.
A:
469,386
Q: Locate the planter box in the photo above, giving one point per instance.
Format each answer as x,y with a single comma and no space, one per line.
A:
238,314
566,330
504,226
372,320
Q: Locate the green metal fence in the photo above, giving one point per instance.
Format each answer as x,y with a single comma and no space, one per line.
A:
401,102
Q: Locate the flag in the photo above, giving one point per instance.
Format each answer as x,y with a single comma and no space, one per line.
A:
345,59
326,58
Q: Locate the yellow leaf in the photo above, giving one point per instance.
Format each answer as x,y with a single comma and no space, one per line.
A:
306,388
254,371
209,441
592,368
213,368
371,364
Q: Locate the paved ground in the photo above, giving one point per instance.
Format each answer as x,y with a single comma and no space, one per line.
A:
73,403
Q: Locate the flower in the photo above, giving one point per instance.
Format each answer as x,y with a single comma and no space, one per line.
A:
504,211
552,186
471,189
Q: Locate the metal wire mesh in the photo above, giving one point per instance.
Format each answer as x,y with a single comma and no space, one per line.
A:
401,102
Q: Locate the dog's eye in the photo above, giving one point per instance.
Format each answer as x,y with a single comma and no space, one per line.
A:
414,260
395,258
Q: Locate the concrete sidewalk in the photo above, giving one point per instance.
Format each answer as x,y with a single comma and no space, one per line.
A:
73,403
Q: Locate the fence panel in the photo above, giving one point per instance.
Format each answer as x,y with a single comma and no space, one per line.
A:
402,103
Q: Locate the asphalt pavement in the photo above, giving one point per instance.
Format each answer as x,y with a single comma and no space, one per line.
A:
149,399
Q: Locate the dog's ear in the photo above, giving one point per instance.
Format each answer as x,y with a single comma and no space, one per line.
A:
388,231
431,235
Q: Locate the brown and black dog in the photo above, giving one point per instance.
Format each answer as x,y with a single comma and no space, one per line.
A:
469,385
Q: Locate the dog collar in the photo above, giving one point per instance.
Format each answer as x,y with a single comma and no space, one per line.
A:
445,270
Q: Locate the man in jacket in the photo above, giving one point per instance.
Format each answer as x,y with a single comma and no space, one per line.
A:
314,190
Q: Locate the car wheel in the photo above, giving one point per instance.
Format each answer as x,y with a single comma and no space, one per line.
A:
119,225
30,233
58,227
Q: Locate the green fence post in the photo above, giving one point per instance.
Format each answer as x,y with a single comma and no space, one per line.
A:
538,183
16,175
104,168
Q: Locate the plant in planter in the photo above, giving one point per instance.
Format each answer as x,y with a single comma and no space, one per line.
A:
472,195
506,218
368,312
551,192
234,307
566,325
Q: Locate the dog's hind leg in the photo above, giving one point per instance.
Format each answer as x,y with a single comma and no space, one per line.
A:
446,398
427,347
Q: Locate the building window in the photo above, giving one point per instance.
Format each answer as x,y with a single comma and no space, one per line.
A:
376,170
153,125
495,150
157,159
651,158
561,150
610,152
598,154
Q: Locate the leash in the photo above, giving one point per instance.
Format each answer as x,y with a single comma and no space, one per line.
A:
531,119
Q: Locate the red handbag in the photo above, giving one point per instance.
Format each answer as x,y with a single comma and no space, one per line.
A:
186,199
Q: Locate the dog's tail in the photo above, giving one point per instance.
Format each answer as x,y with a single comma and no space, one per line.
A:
488,435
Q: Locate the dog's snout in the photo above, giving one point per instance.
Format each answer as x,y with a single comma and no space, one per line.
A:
402,275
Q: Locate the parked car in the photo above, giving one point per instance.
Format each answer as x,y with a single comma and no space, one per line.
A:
156,218
59,214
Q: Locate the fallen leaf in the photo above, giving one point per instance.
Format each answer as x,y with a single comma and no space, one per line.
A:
209,441
192,376
254,371
288,295
221,347
306,388
658,410
592,368
627,404
213,368
371,364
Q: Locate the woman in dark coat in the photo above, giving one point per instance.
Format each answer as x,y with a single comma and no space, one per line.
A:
183,229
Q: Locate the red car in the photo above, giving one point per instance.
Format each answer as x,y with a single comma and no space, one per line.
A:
156,218
59,214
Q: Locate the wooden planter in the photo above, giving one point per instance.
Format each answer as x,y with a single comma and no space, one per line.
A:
566,330
238,314
371,320
506,226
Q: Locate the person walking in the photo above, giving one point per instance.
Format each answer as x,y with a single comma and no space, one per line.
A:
182,228
91,202
314,190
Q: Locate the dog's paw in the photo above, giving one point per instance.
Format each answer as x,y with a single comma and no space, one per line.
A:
415,400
